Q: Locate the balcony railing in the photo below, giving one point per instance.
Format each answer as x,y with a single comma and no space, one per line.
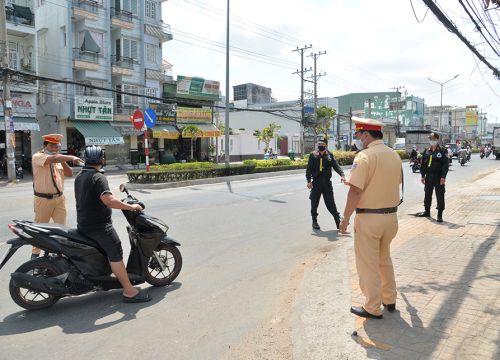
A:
88,5
84,55
20,15
166,31
122,61
122,15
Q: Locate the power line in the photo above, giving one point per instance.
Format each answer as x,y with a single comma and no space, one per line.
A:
452,28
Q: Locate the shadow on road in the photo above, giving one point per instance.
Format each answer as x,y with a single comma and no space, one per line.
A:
82,314
331,235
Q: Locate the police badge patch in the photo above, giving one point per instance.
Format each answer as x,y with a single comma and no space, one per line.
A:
439,155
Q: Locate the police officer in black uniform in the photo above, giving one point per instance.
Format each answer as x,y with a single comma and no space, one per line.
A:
434,170
318,175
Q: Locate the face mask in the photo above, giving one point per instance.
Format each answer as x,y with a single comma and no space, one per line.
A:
433,142
321,148
359,144
47,152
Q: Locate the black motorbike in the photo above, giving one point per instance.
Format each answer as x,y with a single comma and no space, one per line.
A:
415,164
463,160
73,264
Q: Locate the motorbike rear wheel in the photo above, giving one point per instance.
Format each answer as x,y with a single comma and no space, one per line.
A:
34,299
172,260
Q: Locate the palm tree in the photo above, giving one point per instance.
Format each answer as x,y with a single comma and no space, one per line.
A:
191,131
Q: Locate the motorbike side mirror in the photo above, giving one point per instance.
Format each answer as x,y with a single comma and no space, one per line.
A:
123,188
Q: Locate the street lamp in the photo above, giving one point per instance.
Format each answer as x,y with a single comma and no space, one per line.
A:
441,106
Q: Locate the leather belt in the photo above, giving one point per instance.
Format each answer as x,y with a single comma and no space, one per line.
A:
47,196
377,211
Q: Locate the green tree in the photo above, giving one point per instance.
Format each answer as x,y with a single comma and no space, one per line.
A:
267,134
324,118
191,131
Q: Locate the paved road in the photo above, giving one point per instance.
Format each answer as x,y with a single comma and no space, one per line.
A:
243,245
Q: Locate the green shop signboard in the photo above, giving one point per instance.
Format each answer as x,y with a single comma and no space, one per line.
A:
198,87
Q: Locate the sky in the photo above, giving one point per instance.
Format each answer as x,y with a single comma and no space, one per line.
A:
370,46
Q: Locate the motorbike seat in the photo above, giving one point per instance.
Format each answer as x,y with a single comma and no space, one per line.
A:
71,234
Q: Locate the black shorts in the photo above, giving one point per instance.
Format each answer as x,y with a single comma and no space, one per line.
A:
107,238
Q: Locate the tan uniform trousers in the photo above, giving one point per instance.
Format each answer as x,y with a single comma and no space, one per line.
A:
46,209
373,234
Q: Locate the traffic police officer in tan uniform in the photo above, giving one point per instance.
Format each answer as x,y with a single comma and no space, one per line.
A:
374,182
49,170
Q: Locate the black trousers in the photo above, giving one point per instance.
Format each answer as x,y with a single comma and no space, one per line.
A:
432,184
322,186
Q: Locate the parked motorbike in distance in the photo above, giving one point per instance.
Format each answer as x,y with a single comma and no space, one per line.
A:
73,264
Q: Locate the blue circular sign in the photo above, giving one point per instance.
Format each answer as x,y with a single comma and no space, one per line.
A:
149,118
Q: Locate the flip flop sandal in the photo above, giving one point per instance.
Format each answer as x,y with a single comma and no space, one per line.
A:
140,297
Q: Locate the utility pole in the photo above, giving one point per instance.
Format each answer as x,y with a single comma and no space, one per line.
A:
315,78
398,127
370,108
301,72
226,145
7,103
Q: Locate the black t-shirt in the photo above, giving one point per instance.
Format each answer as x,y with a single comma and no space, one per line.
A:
91,213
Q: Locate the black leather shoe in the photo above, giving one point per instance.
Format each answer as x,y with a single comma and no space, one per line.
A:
440,216
315,225
424,214
337,221
390,307
360,311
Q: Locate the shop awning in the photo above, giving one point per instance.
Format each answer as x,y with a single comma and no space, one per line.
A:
25,123
208,130
126,128
98,133
165,132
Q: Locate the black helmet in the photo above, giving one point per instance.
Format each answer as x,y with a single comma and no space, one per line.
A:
94,155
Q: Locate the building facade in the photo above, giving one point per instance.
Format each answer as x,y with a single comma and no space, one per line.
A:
115,46
405,111
22,49
252,93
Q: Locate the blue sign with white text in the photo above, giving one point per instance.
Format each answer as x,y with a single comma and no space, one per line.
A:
149,118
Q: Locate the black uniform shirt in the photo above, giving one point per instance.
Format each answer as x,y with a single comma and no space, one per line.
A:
91,212
321,166
435,162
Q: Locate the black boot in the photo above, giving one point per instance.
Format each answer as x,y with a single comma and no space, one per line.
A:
426,213
315,224
440,216
337,220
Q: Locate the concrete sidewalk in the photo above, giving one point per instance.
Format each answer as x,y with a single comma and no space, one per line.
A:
448,274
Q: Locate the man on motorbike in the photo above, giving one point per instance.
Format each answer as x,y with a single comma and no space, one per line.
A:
94,202
414,153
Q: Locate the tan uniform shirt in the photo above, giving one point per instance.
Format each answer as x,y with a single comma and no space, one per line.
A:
42,177
377,171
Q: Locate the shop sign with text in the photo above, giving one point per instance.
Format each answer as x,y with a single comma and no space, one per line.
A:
193,115
93,108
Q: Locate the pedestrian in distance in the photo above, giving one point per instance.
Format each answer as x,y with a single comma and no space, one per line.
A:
49,170
434,169
318,176
94,202
374,181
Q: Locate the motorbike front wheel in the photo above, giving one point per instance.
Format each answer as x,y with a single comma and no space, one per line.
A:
34,299
171,258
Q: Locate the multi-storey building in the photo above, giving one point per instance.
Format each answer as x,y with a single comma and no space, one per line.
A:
252,93
389,107
459,123
113,45
21,42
